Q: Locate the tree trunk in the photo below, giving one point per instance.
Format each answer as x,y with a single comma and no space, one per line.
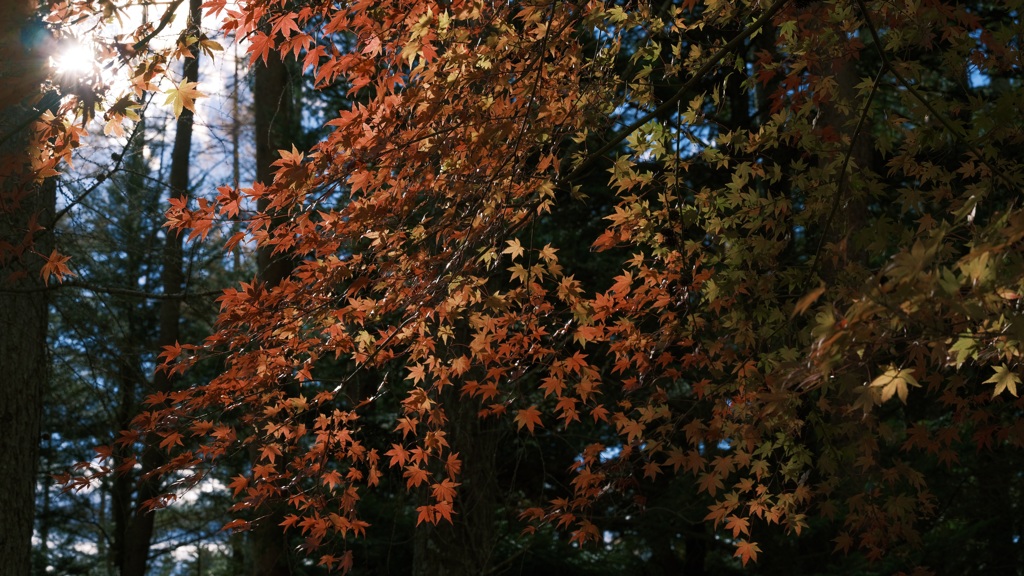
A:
466,546
139,534
23,320
130,374
24,301
275,124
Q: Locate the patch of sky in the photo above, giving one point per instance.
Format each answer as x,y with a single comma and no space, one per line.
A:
975,77
721,445
978,79
610,453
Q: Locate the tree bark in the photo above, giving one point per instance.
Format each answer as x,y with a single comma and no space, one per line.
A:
130,374
24,304
24,301
275,124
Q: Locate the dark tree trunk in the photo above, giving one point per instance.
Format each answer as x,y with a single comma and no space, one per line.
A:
24,301
275,124
139,530
23,367
130,375
466,546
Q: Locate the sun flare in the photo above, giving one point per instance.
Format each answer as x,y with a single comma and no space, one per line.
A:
75,59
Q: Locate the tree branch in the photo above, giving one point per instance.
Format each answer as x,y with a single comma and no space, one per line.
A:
114,291
697,77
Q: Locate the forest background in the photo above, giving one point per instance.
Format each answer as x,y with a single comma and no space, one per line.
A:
416,287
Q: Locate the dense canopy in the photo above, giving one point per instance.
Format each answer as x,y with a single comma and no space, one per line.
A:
759,262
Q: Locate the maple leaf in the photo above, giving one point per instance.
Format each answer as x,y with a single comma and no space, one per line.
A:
1005,380
632,429
519,273
675,459
587,531
170,440
331,479
599,413
622,284
747,551
460,365
738,526
260,45
552,385
964,348
444,491
183,97
426,514
710,483
398,455
843,543
417,373
270,452
895,381
453,465
444,510
514,248
56,265
238,525
289,521
717,513
651,470
529,418
414,476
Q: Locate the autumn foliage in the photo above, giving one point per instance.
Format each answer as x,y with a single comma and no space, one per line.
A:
816,284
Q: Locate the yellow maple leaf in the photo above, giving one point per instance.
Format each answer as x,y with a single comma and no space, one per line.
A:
895,381
183,96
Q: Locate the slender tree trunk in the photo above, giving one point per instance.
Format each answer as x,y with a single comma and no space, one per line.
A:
24,301
130,375
139,534
466,546
275,124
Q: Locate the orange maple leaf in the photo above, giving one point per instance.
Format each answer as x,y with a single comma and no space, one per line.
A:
528,417
56,265
747,551
414,476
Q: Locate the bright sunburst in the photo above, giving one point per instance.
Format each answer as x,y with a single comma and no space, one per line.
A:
75,59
